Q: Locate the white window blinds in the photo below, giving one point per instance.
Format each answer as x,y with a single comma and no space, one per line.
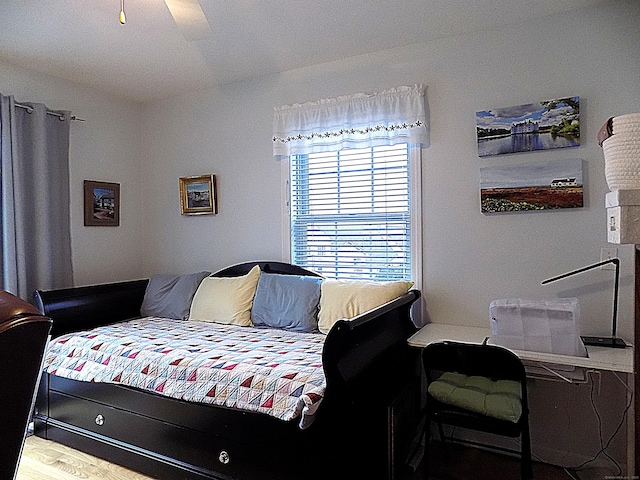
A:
350,213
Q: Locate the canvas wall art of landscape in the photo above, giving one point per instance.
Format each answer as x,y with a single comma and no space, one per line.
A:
534,186
530,127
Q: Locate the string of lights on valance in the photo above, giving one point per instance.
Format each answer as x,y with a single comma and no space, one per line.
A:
393,116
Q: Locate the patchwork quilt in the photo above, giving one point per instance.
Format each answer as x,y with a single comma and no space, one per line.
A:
275,372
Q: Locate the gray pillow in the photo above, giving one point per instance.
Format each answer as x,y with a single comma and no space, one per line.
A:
169,296
287,301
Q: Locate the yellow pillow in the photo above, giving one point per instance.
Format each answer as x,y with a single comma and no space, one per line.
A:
348,298
226,299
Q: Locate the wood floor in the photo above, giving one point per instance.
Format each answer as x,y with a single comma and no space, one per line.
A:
46,460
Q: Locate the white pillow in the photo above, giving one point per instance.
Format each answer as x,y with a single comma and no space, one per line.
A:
349,298
226,299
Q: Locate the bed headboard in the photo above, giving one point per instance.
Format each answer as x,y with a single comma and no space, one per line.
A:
79,308
267,267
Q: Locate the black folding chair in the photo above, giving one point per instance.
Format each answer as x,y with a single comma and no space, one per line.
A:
467,388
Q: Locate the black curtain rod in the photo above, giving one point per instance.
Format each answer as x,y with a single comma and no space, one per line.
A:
29,108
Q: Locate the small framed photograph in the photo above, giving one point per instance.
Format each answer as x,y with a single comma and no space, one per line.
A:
101,204
198,195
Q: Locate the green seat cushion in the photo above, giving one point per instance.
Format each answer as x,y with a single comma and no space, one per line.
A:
500,399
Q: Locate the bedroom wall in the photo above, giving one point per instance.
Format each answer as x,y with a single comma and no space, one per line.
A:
105,148
469,258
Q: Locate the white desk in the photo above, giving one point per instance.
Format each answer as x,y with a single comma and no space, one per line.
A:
600,358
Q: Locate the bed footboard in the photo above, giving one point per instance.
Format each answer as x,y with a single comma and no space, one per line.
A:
373,375
371,347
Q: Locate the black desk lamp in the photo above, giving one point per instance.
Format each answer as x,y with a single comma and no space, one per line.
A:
611,341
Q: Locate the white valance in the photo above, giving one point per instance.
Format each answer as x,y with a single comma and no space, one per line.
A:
355,121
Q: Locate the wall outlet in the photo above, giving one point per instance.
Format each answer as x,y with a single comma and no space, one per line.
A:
607,253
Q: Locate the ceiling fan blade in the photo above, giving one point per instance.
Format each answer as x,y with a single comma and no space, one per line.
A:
189,18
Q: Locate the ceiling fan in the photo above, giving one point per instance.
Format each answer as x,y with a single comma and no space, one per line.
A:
188,15
189,18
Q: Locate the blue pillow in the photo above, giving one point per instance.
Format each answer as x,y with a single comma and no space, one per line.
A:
289,302
170,296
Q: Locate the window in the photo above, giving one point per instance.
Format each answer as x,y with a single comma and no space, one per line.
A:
351,213
352,170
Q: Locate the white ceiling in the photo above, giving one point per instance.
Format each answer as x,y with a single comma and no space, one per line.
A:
148,58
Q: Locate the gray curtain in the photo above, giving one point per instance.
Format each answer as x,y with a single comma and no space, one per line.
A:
34,199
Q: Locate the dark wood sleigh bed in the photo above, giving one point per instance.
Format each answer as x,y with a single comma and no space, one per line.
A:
361,430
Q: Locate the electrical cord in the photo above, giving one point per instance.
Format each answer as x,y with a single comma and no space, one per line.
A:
603,446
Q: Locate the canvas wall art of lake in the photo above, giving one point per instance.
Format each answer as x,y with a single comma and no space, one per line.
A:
529,127
534,186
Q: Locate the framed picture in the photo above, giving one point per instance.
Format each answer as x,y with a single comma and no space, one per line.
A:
198,195
101,204
529,127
